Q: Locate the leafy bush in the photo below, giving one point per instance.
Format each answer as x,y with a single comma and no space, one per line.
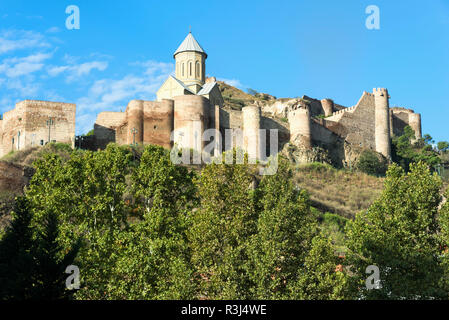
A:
372,163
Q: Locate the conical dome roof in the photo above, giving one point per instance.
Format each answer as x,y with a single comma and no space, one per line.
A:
189,44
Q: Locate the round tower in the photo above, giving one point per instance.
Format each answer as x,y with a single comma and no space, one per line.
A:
158,122
328,106
300,128
251,126
191,63
190,120
414,120
391,123
382,121
134,113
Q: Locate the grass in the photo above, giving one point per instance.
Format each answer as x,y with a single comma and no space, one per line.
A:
340,192
28,156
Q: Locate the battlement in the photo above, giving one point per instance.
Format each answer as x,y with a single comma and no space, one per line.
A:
402,109
381,92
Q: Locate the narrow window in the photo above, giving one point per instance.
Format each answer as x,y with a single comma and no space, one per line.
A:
190,68
42,142
197,67
183,69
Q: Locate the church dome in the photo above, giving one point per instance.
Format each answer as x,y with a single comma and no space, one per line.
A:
190,44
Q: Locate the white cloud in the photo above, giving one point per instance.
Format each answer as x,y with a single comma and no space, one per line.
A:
232,82
16,67
75,72
114,94
53,30
11,40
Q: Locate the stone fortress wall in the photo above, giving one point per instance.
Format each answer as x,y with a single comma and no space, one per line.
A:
188,104
26,125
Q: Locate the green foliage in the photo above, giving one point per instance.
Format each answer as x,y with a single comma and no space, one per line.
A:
33,262
154,230
372,163
443,146
285,230
404,153
399,234
323,277
220,231
16,258
153,255
86,193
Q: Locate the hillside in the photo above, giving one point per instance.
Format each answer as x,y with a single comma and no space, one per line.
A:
338,191
16,171
236,99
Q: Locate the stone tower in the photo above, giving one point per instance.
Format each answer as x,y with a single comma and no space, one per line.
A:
415,123
328,107
382,121
191,63
300,128
251,134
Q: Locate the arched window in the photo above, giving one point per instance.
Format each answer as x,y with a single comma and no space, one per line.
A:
190,68
183,69
197,69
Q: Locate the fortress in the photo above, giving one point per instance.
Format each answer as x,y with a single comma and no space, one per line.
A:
188,104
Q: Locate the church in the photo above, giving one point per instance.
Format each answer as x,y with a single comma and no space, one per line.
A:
187,104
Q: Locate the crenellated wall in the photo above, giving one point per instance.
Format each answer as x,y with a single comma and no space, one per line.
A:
344,132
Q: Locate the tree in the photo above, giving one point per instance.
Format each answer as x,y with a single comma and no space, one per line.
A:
285,229
32,263
404,153
153,256
323,277
372,163
51,261
86,192
16,258
443,146
444,223
399,235
220,231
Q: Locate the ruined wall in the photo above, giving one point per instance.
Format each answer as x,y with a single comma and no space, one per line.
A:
328,107
316,106
105,127
403,117
356,124
26,125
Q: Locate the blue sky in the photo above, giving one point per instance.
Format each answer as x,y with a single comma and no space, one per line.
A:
124,50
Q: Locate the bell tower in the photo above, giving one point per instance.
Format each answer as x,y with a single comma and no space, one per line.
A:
191,63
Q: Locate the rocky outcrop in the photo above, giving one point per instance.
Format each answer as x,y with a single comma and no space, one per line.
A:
14,177
302,155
